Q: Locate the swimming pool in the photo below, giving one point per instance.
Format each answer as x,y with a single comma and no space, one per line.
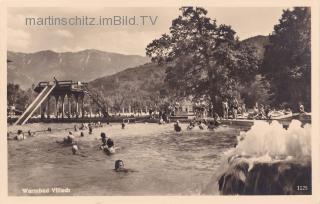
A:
165,162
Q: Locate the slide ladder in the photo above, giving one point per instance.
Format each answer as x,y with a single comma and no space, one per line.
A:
35,104
98,100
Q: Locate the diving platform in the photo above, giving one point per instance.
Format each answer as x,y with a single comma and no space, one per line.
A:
63,87
69,100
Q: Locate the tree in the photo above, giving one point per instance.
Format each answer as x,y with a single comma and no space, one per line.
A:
287,60
12,93
256,92
203,59
18,97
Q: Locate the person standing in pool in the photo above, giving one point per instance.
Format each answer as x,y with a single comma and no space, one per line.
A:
75,127
75,148
177,126
103,139
69,139
191,126
90,128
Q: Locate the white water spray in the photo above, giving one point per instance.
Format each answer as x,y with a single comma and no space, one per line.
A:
275,141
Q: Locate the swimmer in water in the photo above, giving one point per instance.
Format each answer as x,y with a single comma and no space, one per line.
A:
20,136
211,125
177,126
69,139
31,133
201,125
75,148
84,126
191,126
119,167
110,149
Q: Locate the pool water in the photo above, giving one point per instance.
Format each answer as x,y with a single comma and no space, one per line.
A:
163,161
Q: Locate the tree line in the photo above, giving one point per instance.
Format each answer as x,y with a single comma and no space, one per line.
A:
206,60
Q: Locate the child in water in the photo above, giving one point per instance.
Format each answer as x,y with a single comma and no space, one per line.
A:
119,167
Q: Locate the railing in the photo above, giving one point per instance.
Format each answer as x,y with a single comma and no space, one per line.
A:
63,84
98,100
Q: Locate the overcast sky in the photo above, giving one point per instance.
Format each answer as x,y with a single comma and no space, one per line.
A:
247,22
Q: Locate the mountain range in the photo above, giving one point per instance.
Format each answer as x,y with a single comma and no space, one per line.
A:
26,69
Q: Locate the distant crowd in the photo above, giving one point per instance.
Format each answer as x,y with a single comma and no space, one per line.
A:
232,110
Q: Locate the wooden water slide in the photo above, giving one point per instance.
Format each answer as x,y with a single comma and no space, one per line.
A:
42,96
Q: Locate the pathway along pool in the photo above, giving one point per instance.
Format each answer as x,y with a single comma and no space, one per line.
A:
165,162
